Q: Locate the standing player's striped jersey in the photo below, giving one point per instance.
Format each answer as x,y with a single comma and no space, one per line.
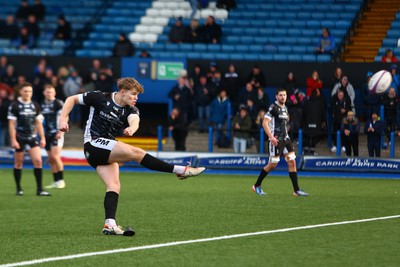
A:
279,119
106,118
26,114
51,111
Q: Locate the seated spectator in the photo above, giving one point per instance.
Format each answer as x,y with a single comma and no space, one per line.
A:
144,54
123,47
33,27
23,11
10,77
38,10
347,88
177,32
211,32
389,57
313,82
326,43
192,32
226,4
256,77
64,30
10,30
24,40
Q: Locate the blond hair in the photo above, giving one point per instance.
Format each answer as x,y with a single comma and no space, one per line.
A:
129,84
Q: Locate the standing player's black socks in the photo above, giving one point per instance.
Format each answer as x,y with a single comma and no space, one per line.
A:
60,175
261,177
38,175
293,177
110,204
155,164
17,178
55,176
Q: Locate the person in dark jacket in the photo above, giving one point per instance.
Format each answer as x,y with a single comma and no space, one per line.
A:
241,125
177,33
63,31
219,114
211,32
123,47
182,97
203,95
10,29
373,128
314,121
23,11
340,105
256,77
38,10
177,123
350,129
390,101
33,27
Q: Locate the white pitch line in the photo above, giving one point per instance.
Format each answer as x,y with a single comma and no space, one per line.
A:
202,240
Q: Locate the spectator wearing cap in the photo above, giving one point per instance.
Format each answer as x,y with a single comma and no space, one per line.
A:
389,57
177,33
395,78
373,128
123,47
241,125
350,129
370,101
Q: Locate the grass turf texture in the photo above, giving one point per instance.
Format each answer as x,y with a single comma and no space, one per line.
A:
163,209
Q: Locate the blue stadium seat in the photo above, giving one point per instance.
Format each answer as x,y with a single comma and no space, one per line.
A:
258,49
199,47
294,57
236,57
227,48
280,32
246,39
171,47
279,57
208,56
222,56
158,47
323,58
238,31
261,40
179,54
184,47
251,31
214,48
377,59
266,57
285,49
232,39
299,49
313,24
272,23
266,31
242,48
342,24
193,55
309,58
389,42
251,57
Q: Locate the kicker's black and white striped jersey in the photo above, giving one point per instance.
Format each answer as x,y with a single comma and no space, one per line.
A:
51,111
106,118
279,119
26,114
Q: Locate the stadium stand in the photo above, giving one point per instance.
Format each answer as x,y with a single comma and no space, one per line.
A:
391,41
78,13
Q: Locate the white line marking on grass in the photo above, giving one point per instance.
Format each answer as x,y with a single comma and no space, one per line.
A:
177,243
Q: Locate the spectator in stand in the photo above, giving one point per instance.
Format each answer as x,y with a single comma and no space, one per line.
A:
38,83
217,81
177,123
192,32
340,105
350,129
390,102
10,76
182,97
249,92
211,32
64,30
144,54
59,88
194,76
38,10
326,43
3,65
95,69
4,104
123,47
24,40
105,82
72,86
203,94
21,79
314,121
295,109
262,100
290,85
256,77
256,126
373,128
370,101
219,113
232,84
252,109
313,82
11,29
177,32
7,88
337,77
226,4
395,78
241,126
33,28
23,11
348,90
389,57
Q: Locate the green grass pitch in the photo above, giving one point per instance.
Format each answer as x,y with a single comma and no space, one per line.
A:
163,209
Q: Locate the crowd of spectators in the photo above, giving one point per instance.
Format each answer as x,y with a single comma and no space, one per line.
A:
67,80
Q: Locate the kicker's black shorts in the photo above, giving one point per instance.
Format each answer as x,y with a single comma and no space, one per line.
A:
97,152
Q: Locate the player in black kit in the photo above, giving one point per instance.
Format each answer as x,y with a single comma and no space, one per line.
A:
25,122
109,113
51,109
275,126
